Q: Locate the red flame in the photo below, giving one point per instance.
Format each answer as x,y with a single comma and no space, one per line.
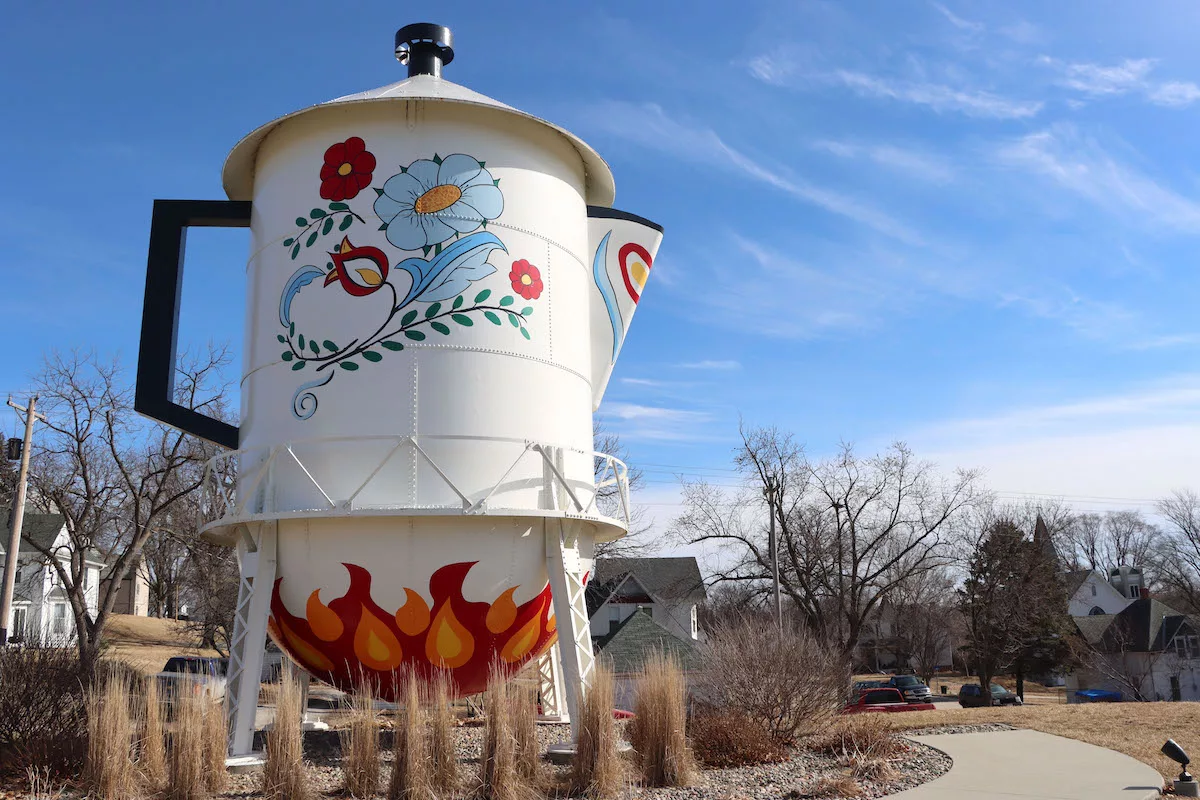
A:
353,636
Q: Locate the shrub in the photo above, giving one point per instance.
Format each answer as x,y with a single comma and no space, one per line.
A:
790,684
658,731
360,744
835,786
441,738
729,738
110,771
598,770
185,771
43,712
863,744
411,773
283,774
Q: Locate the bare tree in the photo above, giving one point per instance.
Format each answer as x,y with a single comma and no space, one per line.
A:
850,529
924,618
609,501
1113,539
112,475
1178,565
210,583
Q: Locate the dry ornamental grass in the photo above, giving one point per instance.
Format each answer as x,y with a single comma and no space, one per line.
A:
441,738
658,730
598,770
110,771
185,775
360,744
152,748
216,744
412,776
500,778
283,774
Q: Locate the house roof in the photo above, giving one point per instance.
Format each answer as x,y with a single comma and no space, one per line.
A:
40,530
1074,580
667,579
629,646
1144,626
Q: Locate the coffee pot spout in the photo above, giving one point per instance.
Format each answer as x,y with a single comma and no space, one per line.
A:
623,246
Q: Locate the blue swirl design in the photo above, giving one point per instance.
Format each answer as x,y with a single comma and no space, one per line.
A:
301,278
604,284
304,402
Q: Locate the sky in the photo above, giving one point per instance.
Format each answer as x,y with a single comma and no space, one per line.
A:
970,226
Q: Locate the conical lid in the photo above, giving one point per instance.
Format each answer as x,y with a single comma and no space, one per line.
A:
424,83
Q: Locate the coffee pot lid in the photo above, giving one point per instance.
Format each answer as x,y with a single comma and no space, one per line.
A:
424,48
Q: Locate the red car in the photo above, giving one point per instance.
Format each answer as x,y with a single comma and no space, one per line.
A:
883,701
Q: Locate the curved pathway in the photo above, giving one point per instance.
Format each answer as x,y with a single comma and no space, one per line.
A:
1028,764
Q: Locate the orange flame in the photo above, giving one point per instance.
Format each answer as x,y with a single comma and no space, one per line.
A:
375,645
413,617
308,655
326,625
521,642
503,612
449,644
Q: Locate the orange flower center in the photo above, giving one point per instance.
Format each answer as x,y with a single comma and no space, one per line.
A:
527,279
345,169
437,199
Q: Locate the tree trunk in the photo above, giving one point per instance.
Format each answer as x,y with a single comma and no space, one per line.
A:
1020,670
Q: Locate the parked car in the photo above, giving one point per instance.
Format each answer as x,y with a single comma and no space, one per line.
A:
913,689
193,675
880,701
972,696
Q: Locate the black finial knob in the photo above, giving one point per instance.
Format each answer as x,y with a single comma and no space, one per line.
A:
424,47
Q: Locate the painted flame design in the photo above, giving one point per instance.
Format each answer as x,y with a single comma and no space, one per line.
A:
352,635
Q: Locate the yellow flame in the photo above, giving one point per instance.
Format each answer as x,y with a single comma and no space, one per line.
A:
413,616
303,650
503,612
448,644
552,624
375,645
325,623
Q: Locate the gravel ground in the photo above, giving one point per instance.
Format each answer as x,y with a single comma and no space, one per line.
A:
792,779
982,727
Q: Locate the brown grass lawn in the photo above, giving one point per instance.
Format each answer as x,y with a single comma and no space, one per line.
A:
1136,729
145,643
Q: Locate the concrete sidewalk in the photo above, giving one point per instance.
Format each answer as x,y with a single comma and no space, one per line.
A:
1029,764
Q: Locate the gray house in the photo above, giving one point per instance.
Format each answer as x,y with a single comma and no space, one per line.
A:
41,611
670,589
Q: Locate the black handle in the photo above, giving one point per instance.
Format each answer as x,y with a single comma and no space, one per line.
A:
155,392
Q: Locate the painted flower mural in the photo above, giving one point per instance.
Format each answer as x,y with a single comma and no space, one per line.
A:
435,206
434,200
347,169
526,280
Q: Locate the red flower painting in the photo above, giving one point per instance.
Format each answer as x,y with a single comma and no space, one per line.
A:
526,280
347,169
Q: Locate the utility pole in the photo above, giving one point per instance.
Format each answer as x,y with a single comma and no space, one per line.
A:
771,489
18,517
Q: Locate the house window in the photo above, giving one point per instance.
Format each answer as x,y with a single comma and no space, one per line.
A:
18,578
1135,592
1096,611
1093,589
695,627
60,619
18,626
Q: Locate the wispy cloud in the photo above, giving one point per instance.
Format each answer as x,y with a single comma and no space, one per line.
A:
712,365
1130,75
1081,166
925,166
699,144
939,97
634,421
957,21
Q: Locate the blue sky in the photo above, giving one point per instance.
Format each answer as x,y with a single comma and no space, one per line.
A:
969,225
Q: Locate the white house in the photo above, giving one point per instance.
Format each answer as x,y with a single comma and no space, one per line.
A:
670,589
1090,594
40,608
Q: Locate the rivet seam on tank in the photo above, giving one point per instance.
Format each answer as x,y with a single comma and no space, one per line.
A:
412,471
549,306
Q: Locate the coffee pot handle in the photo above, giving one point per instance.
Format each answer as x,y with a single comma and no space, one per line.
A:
154,395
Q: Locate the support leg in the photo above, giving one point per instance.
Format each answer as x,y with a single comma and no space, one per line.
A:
257,559
550,687
570,610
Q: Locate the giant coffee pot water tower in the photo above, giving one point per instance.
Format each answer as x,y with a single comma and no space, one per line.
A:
437,289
